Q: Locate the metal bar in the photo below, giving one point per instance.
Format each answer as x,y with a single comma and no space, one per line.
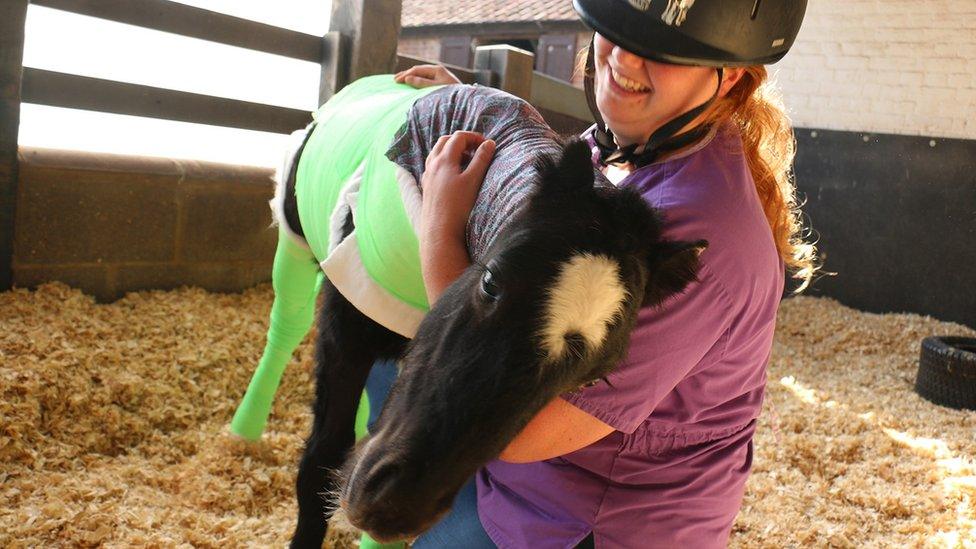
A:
82,92
166,16
12,17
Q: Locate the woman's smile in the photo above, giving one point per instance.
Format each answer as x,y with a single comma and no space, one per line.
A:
625,85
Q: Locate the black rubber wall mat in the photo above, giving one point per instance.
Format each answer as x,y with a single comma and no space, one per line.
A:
896,217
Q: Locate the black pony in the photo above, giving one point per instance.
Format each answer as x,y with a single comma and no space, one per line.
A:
548,310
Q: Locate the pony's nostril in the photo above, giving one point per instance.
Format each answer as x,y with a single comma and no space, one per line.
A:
381,476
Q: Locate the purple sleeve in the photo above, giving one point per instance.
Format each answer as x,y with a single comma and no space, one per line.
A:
685,333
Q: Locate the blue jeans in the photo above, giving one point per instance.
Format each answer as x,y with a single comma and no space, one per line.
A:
461,527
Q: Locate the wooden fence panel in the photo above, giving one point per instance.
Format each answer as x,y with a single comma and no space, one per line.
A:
166,16
13,13
82,92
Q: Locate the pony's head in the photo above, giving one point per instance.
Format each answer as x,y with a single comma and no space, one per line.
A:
550,310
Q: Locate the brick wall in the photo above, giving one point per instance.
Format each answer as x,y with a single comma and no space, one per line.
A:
885,66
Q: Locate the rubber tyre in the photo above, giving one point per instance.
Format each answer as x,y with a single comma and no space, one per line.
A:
947,371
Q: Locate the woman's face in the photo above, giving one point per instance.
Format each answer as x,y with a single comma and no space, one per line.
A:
637,96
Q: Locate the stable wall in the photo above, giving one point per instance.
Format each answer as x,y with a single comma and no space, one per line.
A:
895,217
874,87
883,95
884,66
109,224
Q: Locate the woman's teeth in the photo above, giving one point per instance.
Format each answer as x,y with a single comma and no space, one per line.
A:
628,84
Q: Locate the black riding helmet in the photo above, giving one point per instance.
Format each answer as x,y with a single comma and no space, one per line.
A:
715,33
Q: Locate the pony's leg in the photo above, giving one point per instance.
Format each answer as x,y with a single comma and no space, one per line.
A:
296,279
349,343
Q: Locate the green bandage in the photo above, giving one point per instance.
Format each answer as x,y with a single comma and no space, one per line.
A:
354,130
296,281
382,278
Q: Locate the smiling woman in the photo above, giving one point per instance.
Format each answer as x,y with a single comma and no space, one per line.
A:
164,60
658,456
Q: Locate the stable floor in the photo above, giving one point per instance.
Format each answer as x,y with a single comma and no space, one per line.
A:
113,429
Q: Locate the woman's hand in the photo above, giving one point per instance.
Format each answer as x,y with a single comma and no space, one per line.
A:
450,187
422,76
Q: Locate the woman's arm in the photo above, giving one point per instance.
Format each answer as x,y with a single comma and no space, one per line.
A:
558,429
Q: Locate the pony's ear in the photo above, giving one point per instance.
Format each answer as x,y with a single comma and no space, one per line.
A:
672,265
572,171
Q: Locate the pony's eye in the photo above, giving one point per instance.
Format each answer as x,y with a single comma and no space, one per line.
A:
488,286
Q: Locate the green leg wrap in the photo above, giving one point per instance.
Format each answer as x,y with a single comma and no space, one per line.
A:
296,279
362,416
366,542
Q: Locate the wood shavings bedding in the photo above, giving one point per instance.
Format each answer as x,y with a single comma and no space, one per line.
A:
114,418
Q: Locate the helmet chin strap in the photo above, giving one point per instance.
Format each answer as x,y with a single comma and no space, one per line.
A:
661,141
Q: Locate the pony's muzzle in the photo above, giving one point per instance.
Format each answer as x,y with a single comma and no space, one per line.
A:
383,496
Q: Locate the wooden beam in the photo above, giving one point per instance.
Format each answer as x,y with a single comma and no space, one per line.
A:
82,92
13,14
172,17
370,29
335,64
558,96
508,29
511,66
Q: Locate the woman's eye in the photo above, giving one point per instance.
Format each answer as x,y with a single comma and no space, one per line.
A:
488,286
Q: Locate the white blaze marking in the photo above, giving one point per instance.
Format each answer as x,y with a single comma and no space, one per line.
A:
586,298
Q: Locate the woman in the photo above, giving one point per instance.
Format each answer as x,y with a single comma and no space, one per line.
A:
659,456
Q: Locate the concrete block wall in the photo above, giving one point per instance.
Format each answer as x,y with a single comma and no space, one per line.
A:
884,66
109,224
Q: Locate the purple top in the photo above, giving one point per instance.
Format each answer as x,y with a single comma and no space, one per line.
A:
684,401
